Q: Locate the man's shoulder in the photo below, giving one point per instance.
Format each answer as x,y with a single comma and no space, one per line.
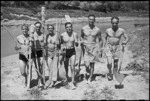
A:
97,28
62,34
84,27
20,36
121,29
74,32
108,29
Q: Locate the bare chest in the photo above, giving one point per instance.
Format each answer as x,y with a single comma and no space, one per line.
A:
90,32
116,34
68,38
38,37
51,39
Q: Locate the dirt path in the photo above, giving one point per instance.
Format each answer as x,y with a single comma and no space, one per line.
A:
12,84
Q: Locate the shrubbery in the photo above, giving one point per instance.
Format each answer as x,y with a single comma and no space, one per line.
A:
101,6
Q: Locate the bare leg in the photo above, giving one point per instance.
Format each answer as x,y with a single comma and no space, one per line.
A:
109,66
22,66
87,69
91,72
72,66
66,62
40,61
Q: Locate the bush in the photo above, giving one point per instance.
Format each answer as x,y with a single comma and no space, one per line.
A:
75,3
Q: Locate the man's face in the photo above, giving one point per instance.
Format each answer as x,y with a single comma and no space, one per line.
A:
69,28
25,30
91,20
115,23
38,27
50,29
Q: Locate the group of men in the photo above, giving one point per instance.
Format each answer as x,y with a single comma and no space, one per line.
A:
60,49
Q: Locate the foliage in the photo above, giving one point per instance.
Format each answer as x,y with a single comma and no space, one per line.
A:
101,6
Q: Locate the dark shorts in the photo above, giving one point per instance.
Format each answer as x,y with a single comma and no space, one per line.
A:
70,52
39,54
25,59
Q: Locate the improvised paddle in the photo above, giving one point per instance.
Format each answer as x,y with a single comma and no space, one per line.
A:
119,76
43,27
30,68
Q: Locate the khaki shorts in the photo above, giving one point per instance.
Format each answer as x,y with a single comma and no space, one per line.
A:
90,52
114,51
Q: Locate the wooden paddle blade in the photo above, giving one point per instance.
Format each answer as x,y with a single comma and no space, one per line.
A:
68,18
119,77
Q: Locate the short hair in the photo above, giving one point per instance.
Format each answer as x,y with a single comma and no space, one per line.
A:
68,23
115,17
37,23
25,25
50,25
91,15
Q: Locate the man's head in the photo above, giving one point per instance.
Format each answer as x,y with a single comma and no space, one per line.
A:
91,19
38,26
50,28
114,22
25,28
68,26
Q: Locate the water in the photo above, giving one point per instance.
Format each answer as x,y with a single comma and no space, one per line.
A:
8,44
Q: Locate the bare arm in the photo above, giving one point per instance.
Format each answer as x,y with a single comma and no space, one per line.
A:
100,39
82,35
126,37
105,40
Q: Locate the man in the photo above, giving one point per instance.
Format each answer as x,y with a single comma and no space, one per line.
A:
68,40
51,47
38,44
92,41
113,45
23,46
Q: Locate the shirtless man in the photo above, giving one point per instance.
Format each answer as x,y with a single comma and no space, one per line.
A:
51,47
23,46
68,40
92,41
113,46
38,44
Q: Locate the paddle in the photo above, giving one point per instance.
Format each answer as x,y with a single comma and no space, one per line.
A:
43,24
29,69
119,76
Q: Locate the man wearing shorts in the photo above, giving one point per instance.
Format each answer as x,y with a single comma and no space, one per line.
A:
113,46
68,40
23,46
92,41
38,45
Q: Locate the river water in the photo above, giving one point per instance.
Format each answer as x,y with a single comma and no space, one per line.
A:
8,44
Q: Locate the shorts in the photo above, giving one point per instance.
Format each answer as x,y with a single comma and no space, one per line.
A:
39,53
114,51
24,58
70,52
90,52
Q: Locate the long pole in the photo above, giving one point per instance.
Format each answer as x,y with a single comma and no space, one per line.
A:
43,25
9,31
